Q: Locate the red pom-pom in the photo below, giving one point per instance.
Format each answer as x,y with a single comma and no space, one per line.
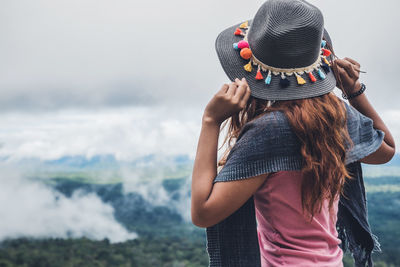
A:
238,31
326,52
259,75
245,53
243,44
312,78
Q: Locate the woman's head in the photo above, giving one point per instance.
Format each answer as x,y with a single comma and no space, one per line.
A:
280,51
320,125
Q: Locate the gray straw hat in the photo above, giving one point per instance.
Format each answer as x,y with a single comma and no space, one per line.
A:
281,51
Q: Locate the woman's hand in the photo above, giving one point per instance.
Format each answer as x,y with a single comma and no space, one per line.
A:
349,73
230,99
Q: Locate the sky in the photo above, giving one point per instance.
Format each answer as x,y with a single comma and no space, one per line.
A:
130,78
96,53
115,59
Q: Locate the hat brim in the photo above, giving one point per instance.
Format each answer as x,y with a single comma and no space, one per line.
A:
233,63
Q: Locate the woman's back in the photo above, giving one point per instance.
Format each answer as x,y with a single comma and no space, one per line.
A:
285,236
285,56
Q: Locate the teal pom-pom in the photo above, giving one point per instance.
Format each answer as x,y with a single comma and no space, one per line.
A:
235,45
323,43
321,74
284,82
268,79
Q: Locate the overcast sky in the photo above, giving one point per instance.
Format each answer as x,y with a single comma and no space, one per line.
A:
102,76
94,53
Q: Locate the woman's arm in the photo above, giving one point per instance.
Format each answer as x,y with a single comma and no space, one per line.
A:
210,203
347,69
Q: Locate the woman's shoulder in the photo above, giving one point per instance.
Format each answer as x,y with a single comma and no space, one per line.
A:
358,123
269,119
271,123
354,116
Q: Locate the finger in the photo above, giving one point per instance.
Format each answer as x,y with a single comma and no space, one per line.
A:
343,78
242,81
353,61
334,66
245,81
240,92
354,69
349,67
224,88
238,81
232,89
246,97
344,75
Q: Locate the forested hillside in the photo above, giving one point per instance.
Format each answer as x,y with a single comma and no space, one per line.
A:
165,239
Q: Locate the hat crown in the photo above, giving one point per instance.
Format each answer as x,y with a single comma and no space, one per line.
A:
286,33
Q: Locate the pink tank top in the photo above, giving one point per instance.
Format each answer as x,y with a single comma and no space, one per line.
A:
285,237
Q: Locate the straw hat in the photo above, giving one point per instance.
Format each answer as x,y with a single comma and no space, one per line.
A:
281,51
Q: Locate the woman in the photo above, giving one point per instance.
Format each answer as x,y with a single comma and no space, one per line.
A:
293,136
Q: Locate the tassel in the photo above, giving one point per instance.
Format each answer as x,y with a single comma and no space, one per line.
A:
326,52
325,67
312,78
238,31
326,61
284,82
235,46
244,25
321,74
248,67
259,75
268,79
300,79
323,43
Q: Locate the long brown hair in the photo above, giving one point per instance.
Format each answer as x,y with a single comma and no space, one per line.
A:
320,123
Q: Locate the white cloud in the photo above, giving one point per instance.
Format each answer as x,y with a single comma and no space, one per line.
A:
31,209
127,133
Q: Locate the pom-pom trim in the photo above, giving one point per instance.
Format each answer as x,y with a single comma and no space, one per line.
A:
321,63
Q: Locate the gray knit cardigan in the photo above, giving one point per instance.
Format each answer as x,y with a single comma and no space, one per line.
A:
267,144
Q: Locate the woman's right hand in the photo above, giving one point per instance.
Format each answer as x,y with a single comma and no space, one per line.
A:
349,73
230,99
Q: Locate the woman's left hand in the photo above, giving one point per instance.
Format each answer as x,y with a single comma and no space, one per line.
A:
229,100
349,74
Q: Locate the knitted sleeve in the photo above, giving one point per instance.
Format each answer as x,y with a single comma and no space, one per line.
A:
366,139
264,145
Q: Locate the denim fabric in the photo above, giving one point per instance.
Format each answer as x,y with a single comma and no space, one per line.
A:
267,144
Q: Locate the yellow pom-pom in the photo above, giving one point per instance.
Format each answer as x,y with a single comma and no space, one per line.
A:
248,67
244,25
300,79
